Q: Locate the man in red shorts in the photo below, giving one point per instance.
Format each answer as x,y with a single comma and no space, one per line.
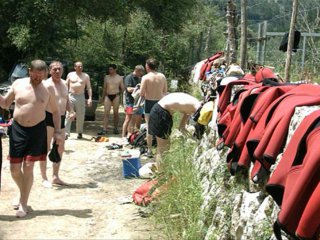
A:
130,82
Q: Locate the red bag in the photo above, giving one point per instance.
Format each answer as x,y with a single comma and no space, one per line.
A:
145,193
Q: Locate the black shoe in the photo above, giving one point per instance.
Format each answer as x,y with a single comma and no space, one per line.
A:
67,136
103,132
149,154
116,131
79,136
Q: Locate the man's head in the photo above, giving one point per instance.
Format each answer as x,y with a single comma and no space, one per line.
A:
78,67
151,64
112,69
56,70
38,71
139,70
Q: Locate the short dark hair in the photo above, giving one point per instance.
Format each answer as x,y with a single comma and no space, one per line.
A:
152,63
39,65
54,63
113,66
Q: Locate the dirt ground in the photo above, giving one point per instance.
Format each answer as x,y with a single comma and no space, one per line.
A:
96,204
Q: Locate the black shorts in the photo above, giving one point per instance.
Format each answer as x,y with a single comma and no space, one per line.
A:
49,120
28,143
160,122
148,104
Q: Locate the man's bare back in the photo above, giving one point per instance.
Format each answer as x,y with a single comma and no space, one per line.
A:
153,86
180,102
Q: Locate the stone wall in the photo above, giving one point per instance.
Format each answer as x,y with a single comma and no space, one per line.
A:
234,207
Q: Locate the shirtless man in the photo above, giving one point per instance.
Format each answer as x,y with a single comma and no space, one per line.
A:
28,134
77,83
160,120
61,95
153,88
112,88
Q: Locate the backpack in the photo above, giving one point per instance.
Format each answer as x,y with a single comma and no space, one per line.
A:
139,140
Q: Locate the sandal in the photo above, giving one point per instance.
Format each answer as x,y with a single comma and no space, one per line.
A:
114,146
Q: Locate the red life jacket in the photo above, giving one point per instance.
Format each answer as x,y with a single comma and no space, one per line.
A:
305,95
299,214
208,64
275,134
276,183
251,110
225,97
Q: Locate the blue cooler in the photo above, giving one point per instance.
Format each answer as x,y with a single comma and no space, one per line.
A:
131,165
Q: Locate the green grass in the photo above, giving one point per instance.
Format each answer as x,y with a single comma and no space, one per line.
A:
178,209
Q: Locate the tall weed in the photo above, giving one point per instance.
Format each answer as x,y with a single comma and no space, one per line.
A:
179,207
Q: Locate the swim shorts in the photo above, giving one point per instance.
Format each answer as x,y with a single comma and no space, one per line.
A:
160,122
148,104
27,143
132,110
49,120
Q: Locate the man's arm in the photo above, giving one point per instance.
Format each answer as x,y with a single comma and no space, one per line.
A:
89,89
7,100
165,87
104,88
68,82
121,85
143,87
183,123
128,84
56,115
70,109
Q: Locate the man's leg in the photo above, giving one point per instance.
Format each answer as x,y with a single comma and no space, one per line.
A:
136,122
80,106
24,181
68,121
107,108
126,125
43,164
16,173
56,166
162,146
149,137
115,105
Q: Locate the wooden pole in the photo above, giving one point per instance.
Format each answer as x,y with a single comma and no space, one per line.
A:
243,43
291,40
303,53
231,8
259,44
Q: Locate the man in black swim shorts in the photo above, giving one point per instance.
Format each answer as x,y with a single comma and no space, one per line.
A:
153,88
61,94
112,88
160,120
28,138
